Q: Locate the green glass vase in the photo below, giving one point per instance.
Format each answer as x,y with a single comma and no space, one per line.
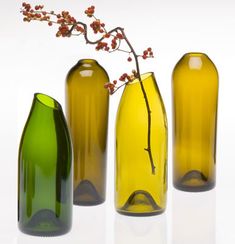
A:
87,103
45,171
195,97
140,191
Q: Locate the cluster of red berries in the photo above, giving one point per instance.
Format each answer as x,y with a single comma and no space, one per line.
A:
26,6
67,23
31,15
79,28
110,86
39,7
125,77
90,11
65,19
35,13
62,31
97,26
148,53
102,46
114,42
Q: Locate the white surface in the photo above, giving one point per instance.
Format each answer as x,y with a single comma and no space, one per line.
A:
33,60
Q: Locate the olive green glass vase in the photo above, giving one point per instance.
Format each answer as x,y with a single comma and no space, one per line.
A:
195,98
45,171
87,103
140,191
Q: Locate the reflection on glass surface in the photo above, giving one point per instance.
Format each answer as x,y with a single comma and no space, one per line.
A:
193,217
27,239
149,230
89,225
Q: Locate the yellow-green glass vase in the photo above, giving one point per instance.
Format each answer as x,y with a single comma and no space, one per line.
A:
195,99
87,103
139,191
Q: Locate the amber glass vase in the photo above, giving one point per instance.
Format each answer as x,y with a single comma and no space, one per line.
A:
139,191
87,112
45,171
195,98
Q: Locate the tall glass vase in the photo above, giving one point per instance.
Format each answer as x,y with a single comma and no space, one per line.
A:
45,171
140,191
87,112
195,98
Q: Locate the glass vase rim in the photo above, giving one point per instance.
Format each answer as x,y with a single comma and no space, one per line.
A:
195,54
143,77
51,103
88,61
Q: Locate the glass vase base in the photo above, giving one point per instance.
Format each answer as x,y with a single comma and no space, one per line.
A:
194,181
45,224
140,203
86,195
140,214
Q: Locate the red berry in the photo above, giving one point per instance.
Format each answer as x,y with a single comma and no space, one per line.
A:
106,85
145,52
129,59
128,78
107,35
119,36
149,49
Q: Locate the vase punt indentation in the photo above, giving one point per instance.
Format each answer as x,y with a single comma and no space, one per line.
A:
194,181
140,203
44,223
86,194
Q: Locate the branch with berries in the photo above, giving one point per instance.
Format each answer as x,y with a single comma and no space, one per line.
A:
108,41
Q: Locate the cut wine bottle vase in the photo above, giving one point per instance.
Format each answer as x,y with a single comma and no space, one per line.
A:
195,98
87,113
139,191
45,171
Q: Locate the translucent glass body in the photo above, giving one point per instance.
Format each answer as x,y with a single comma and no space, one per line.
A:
87,112
139,192
195,97
45,171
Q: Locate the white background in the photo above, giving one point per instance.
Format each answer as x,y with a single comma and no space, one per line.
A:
33,60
